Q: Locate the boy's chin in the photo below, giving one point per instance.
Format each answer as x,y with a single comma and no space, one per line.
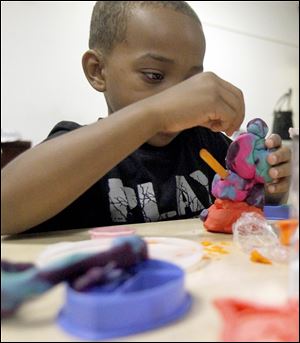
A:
162,139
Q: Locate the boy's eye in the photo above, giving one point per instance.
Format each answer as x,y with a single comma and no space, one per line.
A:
153,76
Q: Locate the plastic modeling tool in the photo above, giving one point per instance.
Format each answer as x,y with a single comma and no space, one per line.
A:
213,163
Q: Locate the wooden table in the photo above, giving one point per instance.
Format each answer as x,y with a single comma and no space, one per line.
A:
218,275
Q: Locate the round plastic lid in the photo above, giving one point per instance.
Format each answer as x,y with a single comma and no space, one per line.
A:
154,296
185,253
276,212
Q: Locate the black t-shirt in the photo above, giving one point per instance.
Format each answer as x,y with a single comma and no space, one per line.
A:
151,184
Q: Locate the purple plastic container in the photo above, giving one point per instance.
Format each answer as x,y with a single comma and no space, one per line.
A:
279,212
153,297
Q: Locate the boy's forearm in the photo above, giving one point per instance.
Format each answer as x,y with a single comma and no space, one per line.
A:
47,178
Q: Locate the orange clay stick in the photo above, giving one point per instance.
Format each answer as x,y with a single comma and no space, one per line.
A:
287,228
213,163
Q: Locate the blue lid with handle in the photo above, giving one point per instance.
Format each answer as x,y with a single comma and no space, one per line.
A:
276,212
152,297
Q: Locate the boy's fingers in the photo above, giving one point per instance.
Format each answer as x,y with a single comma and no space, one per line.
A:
231,88
281,155
280,171
237,123
280,187
273,141
226,117
237,94
233,97
234,104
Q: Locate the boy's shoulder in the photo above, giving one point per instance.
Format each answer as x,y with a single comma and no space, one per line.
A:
63,127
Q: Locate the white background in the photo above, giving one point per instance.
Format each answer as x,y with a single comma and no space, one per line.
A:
253,44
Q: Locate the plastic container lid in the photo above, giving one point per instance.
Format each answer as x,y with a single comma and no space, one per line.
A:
276,212
185,253
154,296
111,231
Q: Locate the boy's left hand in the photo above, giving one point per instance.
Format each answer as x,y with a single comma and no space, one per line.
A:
280,161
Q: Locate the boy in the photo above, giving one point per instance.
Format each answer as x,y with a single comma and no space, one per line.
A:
147,59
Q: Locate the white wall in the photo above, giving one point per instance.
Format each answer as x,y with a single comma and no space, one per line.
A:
253,44
42,78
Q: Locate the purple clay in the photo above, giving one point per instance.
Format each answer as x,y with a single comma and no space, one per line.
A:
203,214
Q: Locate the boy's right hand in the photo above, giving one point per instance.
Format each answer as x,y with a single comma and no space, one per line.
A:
202,100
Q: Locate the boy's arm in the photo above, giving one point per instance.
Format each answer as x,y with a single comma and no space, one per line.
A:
47,178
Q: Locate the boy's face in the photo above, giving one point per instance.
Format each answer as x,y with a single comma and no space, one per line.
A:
162,48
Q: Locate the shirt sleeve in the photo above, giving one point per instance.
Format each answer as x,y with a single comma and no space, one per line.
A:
71,216
62,128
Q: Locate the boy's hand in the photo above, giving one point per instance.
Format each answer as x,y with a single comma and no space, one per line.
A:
202,100
280,161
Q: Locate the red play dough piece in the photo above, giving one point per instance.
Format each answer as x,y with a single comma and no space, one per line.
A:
249,322
223,213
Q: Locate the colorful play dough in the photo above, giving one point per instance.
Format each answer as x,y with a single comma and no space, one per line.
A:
247,155
242,190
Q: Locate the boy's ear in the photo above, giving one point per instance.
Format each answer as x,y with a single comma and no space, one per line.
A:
93,65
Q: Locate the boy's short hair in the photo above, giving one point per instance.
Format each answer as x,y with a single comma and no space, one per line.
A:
109,20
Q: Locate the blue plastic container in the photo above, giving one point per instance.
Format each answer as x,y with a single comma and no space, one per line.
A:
276,212
154,296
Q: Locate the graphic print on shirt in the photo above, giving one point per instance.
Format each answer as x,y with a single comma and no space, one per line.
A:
123,201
